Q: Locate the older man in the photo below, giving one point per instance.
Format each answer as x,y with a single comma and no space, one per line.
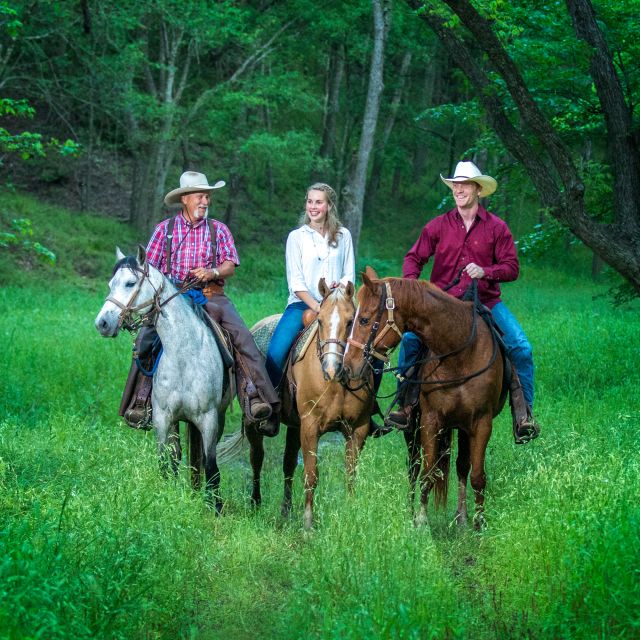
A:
190,245
470,243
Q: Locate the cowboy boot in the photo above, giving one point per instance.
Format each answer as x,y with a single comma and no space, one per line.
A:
255,409
408,397
138,413
377,430
525,427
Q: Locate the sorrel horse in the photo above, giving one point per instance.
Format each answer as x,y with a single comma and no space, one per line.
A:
461,380
321,403
188,382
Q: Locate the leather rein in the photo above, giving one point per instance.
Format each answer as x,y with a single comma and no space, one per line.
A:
130,317
370,351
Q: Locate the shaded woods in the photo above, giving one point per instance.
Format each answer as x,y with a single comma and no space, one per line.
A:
375,97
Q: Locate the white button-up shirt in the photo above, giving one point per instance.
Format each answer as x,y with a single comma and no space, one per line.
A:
310,257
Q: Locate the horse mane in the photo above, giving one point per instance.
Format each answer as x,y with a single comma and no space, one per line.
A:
414,292
131,262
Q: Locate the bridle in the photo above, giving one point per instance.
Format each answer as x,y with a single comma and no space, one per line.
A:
130,317
370,348
371,352
321,348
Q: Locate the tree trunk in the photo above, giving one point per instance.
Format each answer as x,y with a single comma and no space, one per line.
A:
550,165
378,158
353,193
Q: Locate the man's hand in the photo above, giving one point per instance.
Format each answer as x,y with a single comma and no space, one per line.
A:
201,274
474,271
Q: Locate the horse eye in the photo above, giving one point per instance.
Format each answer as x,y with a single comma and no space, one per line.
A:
349,324
131,283
364,321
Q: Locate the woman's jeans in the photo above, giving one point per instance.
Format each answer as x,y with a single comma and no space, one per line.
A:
518,349
289,326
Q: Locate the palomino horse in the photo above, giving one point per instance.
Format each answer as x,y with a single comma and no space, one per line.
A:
461,379
188,382
321,403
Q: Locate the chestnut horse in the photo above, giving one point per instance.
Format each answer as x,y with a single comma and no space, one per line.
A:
320,403
461,380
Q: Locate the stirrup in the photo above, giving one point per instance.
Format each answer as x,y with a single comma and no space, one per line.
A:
397,420
526,430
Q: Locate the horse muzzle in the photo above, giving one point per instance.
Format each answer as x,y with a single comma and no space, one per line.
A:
108,323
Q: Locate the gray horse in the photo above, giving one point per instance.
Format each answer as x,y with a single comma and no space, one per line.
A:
188,383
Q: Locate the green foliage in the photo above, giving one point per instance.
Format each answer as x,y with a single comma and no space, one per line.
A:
95,544
19,237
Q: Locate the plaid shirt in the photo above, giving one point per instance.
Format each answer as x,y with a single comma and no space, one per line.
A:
190,247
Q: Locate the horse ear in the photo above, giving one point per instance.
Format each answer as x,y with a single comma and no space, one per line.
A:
323,289
368,279
142,255
371,272
119,254
350,290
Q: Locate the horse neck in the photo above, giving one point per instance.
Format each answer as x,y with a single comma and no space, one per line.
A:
442,321
176,323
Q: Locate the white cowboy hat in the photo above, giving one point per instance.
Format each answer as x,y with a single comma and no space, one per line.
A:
191,182
468,172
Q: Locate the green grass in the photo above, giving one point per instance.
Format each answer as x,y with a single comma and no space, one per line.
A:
95,544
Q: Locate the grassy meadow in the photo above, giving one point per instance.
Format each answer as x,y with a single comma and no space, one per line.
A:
95,544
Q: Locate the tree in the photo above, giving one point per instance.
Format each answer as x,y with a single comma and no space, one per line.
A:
353,193
527,131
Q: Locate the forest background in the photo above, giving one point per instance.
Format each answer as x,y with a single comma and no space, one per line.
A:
103,105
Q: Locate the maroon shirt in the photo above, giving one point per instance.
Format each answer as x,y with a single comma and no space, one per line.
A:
488,243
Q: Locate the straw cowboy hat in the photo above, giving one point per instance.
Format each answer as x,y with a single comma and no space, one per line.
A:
468,172
191,182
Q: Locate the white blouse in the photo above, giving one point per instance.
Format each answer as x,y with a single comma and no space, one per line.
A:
309,258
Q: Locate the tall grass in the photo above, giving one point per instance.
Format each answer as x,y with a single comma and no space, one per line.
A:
95,544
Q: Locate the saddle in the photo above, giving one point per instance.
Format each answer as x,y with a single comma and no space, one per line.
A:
262,333
135,406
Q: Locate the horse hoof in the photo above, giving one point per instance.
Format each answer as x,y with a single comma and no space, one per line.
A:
479,522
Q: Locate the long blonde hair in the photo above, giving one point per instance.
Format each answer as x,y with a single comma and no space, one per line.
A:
332,223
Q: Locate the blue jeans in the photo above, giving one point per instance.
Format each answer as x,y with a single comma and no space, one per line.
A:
289,326
518,349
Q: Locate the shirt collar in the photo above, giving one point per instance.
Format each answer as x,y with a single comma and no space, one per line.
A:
186,223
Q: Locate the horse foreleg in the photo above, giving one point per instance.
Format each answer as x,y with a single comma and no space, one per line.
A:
256,458
463,464
412,440
209,433
167,435
194,440
478,447
289,464
428,439
309,443
352,448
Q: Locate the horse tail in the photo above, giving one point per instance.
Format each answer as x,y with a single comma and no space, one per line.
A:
441,470
230,447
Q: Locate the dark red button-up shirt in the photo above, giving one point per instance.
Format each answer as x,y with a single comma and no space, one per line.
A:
488,243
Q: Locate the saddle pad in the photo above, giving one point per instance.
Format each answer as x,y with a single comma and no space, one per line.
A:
263,330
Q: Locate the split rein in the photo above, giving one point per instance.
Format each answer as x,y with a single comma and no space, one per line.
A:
371,352
130,317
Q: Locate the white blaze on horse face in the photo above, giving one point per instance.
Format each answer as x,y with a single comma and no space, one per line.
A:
353,328
332,362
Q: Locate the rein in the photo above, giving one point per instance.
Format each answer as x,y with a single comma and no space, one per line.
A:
130,317
387,303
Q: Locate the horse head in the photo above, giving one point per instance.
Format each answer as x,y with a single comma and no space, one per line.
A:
134,289
334,323
374,331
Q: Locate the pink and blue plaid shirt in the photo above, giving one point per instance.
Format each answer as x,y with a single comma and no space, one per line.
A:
190,247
